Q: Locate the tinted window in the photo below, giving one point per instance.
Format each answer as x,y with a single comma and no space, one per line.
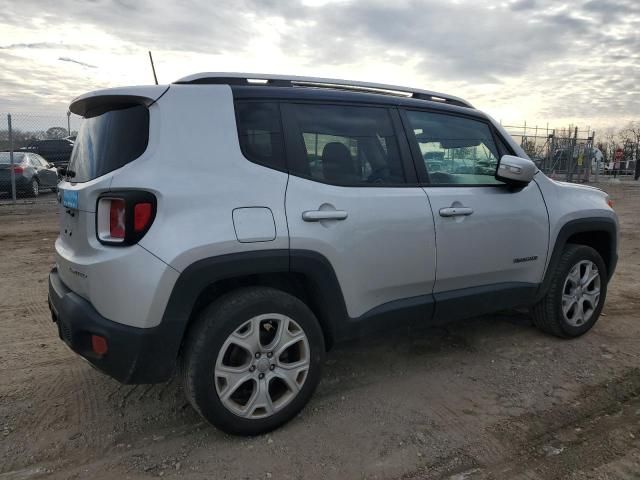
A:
455,150
347,145
109,141
260,134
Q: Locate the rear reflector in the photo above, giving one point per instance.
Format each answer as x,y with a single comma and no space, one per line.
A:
99,344
142,213
117,218
18,169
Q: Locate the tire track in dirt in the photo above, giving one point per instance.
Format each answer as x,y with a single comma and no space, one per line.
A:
591,432
37,423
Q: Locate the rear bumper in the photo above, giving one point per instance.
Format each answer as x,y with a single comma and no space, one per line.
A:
134,355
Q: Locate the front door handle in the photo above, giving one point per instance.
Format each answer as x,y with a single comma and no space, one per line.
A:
456,212
317,215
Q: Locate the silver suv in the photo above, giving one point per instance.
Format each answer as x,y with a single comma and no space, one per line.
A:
233,227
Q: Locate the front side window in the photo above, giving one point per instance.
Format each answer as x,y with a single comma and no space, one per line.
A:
345,145
455,150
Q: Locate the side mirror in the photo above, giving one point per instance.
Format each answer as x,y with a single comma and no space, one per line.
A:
515,171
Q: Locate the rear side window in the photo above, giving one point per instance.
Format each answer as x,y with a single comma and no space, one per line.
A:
5,158
260,133
346,145
109,141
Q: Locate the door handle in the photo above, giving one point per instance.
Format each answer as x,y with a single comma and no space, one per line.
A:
317,215
456,212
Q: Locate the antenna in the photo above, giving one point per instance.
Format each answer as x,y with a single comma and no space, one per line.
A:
153,68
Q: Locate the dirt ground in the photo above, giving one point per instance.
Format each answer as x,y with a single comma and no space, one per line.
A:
489,398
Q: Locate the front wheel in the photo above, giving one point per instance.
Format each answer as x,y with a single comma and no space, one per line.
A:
253,360
576,295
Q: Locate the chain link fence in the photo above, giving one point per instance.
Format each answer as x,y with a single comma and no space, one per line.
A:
34,150
575,155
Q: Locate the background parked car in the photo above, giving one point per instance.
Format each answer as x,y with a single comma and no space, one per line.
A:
32,173
57,152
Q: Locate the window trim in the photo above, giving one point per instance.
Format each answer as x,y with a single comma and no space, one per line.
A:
284,167
421,169
296,150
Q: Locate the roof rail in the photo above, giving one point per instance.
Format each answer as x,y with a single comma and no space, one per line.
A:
292,81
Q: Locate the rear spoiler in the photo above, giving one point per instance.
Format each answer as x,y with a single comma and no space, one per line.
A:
100,101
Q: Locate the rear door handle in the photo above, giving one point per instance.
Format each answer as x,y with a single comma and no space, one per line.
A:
456,212
317,215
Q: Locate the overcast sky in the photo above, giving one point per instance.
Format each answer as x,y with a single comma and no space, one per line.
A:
535,60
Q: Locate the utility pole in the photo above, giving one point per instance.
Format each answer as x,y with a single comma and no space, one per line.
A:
11,161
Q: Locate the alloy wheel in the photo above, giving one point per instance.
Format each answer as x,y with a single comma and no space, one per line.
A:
581,293
262,366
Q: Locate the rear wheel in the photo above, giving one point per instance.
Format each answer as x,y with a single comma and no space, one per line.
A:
34,188
576,295
253,360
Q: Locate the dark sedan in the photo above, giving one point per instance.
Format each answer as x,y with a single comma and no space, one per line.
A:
32,173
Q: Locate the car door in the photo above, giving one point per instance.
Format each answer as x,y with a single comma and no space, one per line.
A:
351,198
491,239
47,176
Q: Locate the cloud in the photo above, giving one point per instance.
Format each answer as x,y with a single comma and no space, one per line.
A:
37,45
67,59
543,58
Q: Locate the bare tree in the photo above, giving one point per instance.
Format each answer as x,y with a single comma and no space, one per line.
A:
57,132
610,144
631,134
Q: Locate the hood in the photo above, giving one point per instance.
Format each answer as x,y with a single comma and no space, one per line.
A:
578,186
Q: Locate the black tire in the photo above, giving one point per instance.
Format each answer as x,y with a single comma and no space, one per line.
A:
548,315
207,336
33,189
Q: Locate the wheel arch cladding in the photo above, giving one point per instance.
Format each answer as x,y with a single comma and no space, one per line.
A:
599,233
306,275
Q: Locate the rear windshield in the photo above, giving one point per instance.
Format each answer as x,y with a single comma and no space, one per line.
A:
108,141
5,158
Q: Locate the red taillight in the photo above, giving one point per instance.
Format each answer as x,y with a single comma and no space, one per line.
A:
99,344
142,213
18,169
124,217
117,214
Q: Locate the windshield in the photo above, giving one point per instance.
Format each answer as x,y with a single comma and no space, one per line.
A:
108,141
5,158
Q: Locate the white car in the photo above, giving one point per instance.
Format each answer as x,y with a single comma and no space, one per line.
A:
305,214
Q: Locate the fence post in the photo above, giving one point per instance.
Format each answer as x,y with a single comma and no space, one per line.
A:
13,173
588,158
593,142
570,163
